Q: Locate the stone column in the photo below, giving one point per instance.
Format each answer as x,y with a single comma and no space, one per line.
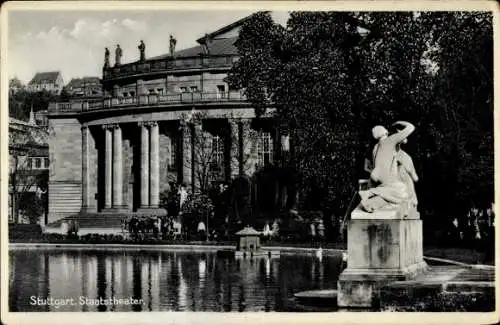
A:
154,180
186,152
144,165
197,153
248,157
117,167
108,154
85,168
234,148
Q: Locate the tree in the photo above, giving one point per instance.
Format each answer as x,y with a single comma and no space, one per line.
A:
197,208
332,76
22,101
304,72
64,96
463,96
208,151
24,177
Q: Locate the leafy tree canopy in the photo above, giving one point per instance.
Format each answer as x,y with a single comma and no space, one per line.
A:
332,76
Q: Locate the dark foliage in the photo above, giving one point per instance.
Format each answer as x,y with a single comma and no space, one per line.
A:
331,82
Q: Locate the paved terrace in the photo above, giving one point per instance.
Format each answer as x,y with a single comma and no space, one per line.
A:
443,288
449,288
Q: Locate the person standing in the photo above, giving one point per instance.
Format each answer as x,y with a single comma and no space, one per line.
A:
312,232
321,230
183,195
267,231
201,230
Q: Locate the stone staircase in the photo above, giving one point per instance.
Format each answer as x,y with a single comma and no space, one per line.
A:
91,223
92,220
65,197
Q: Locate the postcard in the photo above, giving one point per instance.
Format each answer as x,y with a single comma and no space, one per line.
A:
281,162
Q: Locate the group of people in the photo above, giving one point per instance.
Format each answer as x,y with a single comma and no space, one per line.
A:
172,225
478,227
156,226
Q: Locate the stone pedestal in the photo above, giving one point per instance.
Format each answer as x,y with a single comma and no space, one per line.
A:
383,246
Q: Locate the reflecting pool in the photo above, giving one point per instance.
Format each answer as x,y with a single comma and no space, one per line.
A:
51,280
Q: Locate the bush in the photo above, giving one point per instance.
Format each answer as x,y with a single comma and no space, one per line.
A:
25,231
311,216
197,208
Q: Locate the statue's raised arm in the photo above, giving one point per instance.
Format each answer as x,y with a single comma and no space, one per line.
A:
401,135
390,188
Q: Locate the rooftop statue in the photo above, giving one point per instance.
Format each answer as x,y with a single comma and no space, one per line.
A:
118,55
106,58
173,42
142,50
388,181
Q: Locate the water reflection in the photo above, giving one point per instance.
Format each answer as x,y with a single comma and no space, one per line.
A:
162,281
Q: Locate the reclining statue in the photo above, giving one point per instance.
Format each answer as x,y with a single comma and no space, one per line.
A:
392,170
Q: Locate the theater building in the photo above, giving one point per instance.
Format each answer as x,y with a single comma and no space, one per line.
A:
117,154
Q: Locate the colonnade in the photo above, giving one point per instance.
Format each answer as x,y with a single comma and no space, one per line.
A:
150,161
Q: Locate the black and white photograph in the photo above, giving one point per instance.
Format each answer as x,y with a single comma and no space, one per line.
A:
222,158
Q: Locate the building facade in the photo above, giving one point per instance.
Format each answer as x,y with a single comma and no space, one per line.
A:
84,87
28,168
170,118
50,81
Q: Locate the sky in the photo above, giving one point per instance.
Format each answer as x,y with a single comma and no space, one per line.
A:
73,42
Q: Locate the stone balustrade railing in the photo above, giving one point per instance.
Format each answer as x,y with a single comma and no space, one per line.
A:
168,63
145,100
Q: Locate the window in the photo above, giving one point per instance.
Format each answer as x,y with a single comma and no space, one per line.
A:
172,155
159,91
265,149
216,145
221,91
183,89
151,91
132,93
194,89
125,94
38,163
